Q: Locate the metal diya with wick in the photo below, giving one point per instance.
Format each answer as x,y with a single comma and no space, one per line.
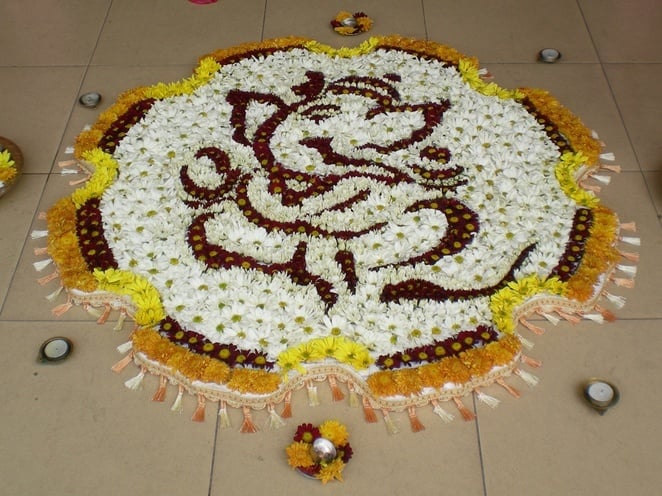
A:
601,395
322,451
549,55
55,349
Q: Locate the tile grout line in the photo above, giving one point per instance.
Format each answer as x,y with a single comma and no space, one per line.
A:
425,24
264,19
480,447
213,453
611,89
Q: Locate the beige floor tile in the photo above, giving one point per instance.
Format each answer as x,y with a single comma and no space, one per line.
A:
511,30
625,30
583,89
36,103
654,182
549,442
311,19
59,34
175,31
441,456
17,209
637,91
72,428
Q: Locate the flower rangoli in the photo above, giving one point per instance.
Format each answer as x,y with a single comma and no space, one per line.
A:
380,217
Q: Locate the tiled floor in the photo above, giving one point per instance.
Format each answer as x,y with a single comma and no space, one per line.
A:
74,429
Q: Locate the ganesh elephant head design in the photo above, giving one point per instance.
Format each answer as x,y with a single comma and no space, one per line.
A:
329,123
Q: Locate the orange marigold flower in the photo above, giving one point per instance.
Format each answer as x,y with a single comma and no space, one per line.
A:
408,381
453,370
477,361
253,381
382,384
298,455
193,366
217,371
430,376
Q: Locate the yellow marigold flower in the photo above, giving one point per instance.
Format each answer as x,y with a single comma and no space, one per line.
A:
471,75
304,352
289,360
324,347
145,297
335,432
7,169
298,455
105,171
5,160
504,302
351,353
331,471
566,171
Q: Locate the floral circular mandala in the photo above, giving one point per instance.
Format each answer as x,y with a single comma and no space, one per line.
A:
380,217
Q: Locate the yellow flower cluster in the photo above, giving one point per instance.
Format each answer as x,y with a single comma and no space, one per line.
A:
572,128
337,347
105,172
471,75
298,455
504,302
367,46
64,249
565,172
7,169
335,432
203,73
468,365
600,254
331,471
202,368
145,297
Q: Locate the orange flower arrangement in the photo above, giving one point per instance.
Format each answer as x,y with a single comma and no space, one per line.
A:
303,456
349,24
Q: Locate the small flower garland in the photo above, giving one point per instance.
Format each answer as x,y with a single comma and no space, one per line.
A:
300,454
349,24
273,239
